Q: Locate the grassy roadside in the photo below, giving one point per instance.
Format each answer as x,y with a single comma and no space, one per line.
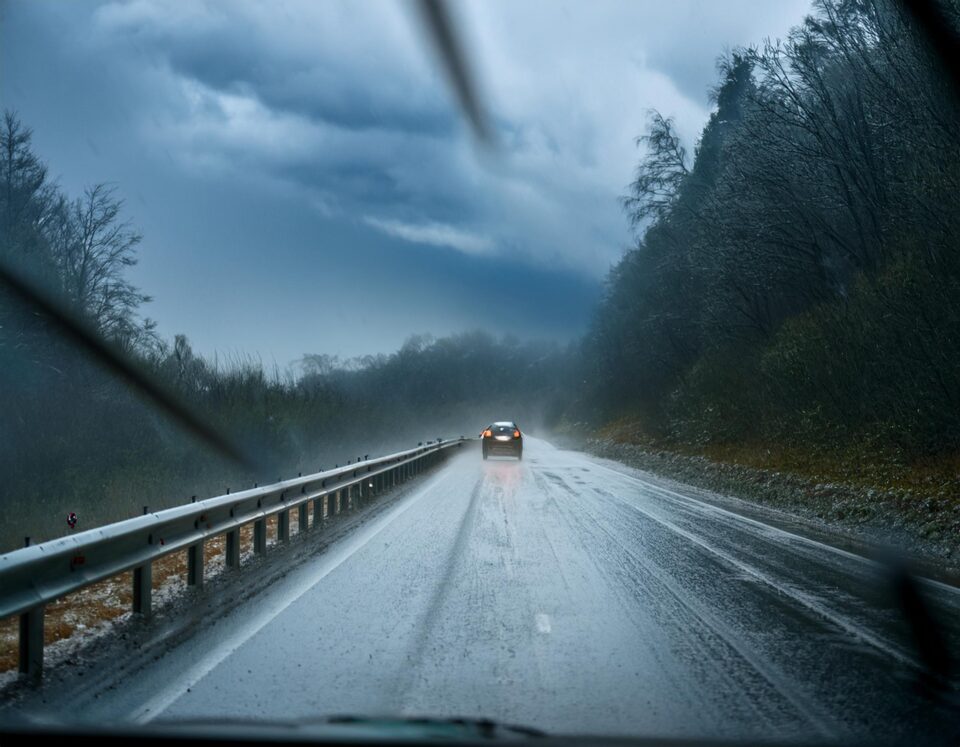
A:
855,463
857,487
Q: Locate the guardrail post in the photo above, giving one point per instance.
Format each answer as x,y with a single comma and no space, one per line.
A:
260,536
283,526
334,508
30,659
232,559
195,565
303,518
142,589
31,643
317,512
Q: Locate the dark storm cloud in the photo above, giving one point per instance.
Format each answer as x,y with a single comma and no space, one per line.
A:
240,58
302,176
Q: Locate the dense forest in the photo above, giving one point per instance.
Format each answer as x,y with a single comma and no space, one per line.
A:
795,280
798,278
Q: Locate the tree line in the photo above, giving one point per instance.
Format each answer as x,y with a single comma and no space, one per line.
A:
797,277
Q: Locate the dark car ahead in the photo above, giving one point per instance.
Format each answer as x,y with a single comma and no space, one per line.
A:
502,439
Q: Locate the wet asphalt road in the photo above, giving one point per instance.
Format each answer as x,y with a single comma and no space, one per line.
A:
566,593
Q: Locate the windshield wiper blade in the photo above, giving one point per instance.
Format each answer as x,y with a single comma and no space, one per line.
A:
81,335
437,20
483,727
942,33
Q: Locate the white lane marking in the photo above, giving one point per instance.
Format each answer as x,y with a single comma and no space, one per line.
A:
326,564
543,623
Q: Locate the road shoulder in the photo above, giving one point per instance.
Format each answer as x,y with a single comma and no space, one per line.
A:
835,514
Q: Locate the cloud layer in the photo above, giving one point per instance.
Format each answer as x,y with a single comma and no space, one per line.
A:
335,116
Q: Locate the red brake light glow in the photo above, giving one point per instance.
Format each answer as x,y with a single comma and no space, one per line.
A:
516,434
487,433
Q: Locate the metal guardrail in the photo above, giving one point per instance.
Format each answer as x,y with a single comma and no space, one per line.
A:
35,576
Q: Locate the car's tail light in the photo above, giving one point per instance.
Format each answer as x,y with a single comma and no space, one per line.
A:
516,434
487,433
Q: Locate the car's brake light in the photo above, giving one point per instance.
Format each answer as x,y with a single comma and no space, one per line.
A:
516,434
487,433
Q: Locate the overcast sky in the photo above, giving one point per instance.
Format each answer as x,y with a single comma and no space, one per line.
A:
304,181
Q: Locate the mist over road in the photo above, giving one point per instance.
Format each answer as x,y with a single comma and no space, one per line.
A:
562,592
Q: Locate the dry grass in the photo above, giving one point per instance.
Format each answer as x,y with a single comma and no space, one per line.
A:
854,462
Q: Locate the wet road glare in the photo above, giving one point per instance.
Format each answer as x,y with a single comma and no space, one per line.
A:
565,593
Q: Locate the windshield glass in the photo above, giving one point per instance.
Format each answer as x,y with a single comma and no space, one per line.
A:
267,269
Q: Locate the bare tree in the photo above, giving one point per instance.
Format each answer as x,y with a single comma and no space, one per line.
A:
660,174
93,252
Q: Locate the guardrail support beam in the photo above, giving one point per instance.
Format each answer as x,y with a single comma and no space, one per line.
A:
195,565
303,518
31,643
283,526
232,559
260,536
143,589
